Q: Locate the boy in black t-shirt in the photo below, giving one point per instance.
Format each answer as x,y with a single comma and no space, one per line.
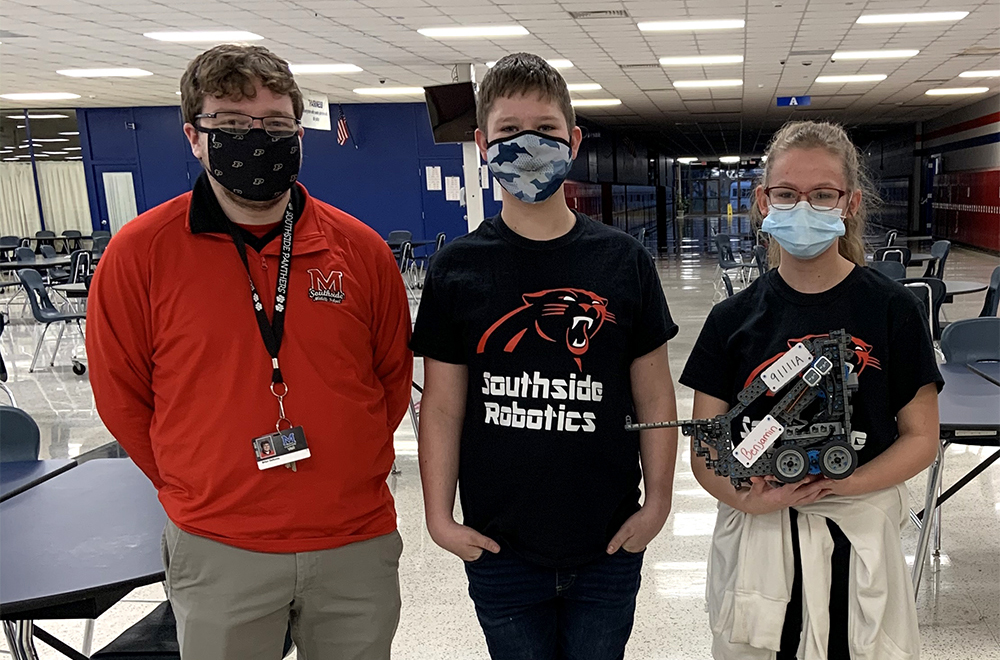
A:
541,331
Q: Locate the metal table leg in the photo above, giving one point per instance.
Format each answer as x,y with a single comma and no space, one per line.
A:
930,503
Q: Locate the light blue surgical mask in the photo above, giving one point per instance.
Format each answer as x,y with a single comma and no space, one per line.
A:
530,165
803,231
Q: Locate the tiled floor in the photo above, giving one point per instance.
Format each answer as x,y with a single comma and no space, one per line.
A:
959,602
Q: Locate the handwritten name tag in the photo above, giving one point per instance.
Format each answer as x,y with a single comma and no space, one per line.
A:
787,367
758,441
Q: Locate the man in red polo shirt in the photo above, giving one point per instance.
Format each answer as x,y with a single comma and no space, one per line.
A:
248,348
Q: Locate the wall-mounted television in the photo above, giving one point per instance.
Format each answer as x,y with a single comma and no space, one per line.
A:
452,109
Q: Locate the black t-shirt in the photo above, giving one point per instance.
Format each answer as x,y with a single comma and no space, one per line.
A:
549,330
744,334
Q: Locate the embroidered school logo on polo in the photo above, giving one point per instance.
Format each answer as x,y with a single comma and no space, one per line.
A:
326,288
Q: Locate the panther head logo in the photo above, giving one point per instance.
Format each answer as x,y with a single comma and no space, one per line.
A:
567,317
862,357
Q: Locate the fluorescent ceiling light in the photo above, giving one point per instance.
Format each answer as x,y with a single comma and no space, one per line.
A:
388,91
948,91
687,159
583,87
73,148
873,77
21,117
41,155
729,159
104,73
708,83
701,59
22,126
207,36
595,103
177,93
485,31
74,157
980,74
872,54
925,17
305,69
40,96
36,140
682,26
70,133
555,64
56,153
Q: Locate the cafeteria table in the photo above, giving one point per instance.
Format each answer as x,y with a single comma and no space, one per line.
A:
74,546
37,264
969,413
988,370
961,288
18,476
71,289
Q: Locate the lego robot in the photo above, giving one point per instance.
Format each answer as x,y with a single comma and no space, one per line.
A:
808,431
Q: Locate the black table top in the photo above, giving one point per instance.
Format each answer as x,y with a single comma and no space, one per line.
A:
76,544
968,402
37,264
988,370
18,476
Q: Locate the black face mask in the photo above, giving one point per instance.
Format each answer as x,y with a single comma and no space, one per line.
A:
254,166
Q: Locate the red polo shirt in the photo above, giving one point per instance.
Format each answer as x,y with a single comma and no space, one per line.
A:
181,376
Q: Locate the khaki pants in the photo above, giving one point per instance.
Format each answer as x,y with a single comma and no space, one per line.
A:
233,604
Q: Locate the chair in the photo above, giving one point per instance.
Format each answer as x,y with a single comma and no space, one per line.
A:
728,283
49,238
891,269
73,240
439,241
931,293
45,312
3,365
894,253
992,295
727,261
24,255
100,243
20,439
760,259
935,267
79,266
8,242
890,237
398,237
54,274
154,637
971,340
100,233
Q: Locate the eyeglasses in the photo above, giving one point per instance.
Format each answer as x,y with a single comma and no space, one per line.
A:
236,123
821,199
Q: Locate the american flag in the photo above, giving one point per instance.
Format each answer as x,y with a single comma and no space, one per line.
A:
342,133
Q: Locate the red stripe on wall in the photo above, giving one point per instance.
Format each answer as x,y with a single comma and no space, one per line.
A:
967,208
958,128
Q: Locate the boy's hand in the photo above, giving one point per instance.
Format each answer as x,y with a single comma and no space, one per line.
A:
462,541
641,528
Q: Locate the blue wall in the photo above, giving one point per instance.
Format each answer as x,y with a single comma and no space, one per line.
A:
381,182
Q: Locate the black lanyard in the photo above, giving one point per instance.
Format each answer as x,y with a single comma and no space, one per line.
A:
272,331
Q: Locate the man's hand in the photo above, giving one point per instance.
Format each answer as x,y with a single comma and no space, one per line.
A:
465,542
766,496
641,528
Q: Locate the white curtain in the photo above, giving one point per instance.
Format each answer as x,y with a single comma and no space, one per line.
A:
18,204
120,193
64,197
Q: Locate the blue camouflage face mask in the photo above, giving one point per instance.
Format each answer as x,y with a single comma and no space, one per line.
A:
530,165
803,231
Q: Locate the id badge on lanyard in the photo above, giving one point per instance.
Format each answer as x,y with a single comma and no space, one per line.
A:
287,444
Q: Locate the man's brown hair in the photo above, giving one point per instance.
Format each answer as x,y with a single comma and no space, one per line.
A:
523,73
231,71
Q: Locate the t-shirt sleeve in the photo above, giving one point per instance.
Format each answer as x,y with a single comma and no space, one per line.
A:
436,334
708,370
912,362
654,326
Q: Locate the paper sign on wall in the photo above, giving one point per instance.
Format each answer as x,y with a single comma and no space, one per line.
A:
433,178
316,111
484,177
453,188
497,191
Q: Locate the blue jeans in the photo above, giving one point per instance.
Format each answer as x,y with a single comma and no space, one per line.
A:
529,612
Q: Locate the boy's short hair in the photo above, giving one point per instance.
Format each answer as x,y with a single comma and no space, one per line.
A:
522,73
232,71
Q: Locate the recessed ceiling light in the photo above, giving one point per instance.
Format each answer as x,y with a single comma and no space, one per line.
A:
948,91
206,36
104,73
925,17
872,54
583,87
872,77
729,159
980,74
21,117
307,69
682,26
686,159
708,83
701,59
40,96
595,103
388,91
70,133
470,32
